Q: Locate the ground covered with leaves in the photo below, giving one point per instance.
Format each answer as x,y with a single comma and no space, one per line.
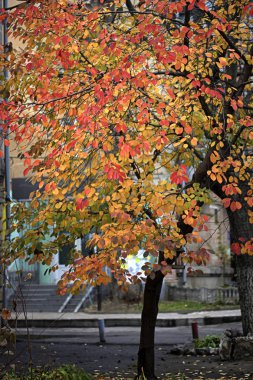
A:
114,361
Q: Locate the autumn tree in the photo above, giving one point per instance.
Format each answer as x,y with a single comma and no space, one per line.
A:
129,116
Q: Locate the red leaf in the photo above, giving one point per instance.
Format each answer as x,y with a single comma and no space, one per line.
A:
191,5
114,172
95,144
233,104
29,66
205,217
2,16
36,162
179,176
170,57
235,247
226,202
81,203
235,206
26,171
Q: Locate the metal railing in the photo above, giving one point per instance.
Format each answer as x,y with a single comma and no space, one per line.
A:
85,297
80,303
223,295
67,300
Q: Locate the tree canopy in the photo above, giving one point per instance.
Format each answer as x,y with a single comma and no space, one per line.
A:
127,114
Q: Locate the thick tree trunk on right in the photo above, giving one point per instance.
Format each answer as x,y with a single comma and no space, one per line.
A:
241,230
244,267
2,205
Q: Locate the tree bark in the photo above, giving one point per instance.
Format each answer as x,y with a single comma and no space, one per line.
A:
152,292
244,267
241,230
146,356
2,205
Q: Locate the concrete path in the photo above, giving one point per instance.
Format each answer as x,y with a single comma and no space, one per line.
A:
81,320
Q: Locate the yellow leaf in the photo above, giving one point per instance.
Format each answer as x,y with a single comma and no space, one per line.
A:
55,191
194,141
223,61
62,168
91,192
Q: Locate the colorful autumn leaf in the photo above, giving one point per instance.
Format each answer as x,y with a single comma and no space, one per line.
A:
180,175
6,314
129,121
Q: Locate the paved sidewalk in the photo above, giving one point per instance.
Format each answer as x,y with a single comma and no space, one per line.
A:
80,320
117,357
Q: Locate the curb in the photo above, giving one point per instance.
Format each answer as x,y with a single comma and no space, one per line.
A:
121,322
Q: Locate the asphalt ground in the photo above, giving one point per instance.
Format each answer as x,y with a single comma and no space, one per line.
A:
117,356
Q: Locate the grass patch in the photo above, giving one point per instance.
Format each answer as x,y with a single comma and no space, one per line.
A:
164,307
62,373
190,306
211,341
70,372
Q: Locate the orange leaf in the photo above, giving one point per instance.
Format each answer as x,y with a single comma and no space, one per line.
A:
6,314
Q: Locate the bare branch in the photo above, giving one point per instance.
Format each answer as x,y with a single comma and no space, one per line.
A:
130,7
238,134
233,46
170,73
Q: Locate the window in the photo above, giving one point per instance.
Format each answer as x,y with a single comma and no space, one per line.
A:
64,254
86,251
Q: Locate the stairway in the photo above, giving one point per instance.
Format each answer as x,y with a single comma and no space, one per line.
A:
36,298
33,297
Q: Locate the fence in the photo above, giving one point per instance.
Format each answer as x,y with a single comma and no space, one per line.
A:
223,295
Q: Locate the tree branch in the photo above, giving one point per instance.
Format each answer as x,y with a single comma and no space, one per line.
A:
204,106
169,73
246,74
227,39
130,7
233,46
237,135
187,17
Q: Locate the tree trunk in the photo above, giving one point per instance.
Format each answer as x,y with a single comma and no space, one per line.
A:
241,230
244,267
146,356
2,205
